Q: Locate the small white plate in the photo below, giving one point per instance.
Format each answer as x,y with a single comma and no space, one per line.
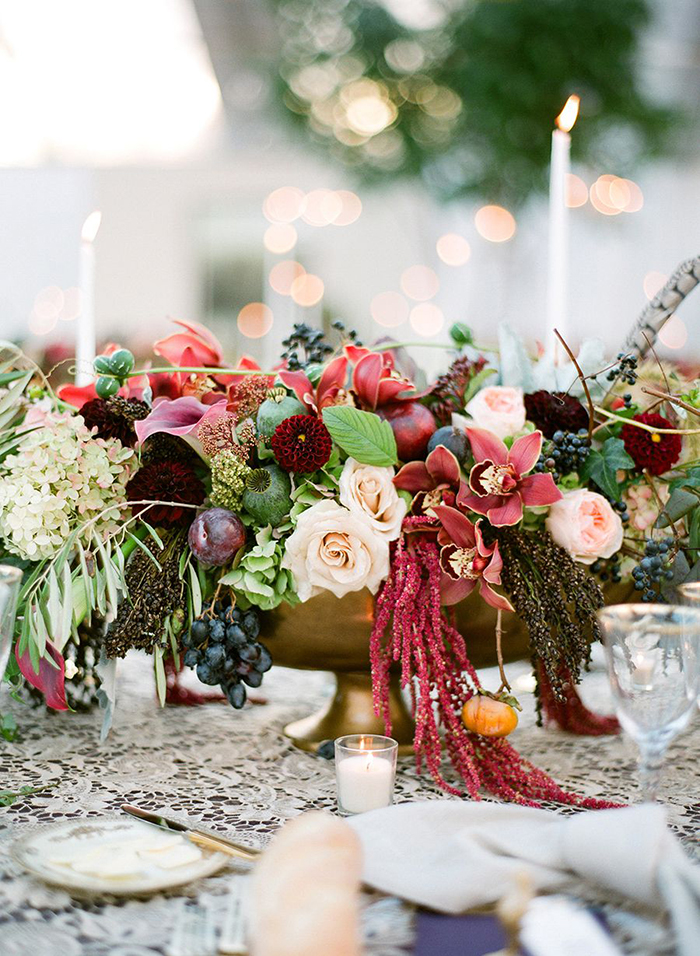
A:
127,847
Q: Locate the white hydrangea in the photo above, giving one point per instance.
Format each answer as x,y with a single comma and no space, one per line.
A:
59,477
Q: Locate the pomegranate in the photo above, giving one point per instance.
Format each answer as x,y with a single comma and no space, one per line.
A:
412,424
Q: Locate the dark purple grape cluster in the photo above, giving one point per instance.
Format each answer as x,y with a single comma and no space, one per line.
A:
564,453
653,568
625,369
222,645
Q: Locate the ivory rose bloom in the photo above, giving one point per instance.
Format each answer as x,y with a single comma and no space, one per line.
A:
498,409
584,523
369,492
332,549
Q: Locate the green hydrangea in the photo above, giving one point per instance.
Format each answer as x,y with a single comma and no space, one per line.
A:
60,479
228,475
259,579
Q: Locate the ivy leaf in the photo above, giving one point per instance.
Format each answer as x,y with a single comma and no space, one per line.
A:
602,466
363,436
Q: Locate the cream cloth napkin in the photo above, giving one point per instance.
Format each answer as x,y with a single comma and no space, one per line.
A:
453,856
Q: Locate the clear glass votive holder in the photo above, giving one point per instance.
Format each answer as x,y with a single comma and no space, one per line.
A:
365,771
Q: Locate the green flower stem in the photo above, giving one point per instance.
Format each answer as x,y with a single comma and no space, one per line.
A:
199,370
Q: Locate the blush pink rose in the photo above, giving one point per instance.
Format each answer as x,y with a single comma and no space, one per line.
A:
499,409
584,524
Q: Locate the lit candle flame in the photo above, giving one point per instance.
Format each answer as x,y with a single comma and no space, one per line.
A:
566,119
370,758
90,226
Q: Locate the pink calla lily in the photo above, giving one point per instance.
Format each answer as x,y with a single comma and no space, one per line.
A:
465,560
435,481
499,484
50,679
329,390
181,417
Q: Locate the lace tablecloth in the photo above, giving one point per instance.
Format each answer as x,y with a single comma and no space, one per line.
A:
235,771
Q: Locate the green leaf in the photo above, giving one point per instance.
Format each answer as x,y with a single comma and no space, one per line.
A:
362,435
679,504
159,668
602,466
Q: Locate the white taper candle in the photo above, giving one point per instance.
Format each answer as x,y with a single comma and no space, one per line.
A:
85,336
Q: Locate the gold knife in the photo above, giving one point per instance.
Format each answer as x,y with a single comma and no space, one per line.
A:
200,837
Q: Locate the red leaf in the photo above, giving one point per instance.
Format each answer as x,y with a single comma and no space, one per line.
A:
50,680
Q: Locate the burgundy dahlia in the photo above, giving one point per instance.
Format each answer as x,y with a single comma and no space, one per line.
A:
302,443
651,451
168,481
555,411
114,417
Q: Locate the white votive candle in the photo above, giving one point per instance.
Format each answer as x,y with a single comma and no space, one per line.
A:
365,767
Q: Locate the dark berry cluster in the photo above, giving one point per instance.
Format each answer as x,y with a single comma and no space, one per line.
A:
608,570
223,646
625,369
350,336
653,568
566,452
621,508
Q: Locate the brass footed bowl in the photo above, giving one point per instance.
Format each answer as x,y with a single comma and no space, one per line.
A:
328,633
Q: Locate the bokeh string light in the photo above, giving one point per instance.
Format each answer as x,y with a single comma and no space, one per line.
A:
453,249
495,223
307,290
427,319
319,207
283,274
419,283
389,309
280,237
255,320
653,283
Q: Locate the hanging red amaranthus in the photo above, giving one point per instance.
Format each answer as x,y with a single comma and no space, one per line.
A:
571,714
411,630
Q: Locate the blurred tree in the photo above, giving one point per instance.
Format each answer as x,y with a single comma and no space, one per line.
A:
469,104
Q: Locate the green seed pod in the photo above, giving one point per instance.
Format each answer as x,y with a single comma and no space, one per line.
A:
106,387
271,413
267,495
122,362
103,365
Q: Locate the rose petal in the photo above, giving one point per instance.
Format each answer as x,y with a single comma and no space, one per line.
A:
50,680
509,513
538,490
485,444
525,452
457,525
443,466
414,477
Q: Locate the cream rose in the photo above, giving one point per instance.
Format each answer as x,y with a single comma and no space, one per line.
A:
499,409
332,549
584,523
368,492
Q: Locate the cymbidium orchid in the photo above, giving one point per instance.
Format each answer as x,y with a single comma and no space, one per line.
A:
196,346
375,381
465,560
499,483
329,391
435,481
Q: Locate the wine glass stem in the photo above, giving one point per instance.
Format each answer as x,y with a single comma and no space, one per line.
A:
651,764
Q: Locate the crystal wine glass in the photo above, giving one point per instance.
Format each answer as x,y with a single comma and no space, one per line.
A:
652,655
10,580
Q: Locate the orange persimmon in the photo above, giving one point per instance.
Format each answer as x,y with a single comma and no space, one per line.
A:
488,717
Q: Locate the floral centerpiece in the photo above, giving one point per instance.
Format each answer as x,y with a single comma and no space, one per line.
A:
165,508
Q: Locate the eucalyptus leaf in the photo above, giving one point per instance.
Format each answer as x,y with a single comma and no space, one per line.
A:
362,435
679,504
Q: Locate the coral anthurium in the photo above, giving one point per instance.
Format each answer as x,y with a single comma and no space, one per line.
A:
434,481
465,560
499,482
489,717
329,391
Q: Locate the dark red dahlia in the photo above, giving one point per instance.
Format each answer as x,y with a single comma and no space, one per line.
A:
302,443
171,481
114,417
555,411
651,451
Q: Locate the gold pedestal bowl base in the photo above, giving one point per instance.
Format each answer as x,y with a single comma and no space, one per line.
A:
327,633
